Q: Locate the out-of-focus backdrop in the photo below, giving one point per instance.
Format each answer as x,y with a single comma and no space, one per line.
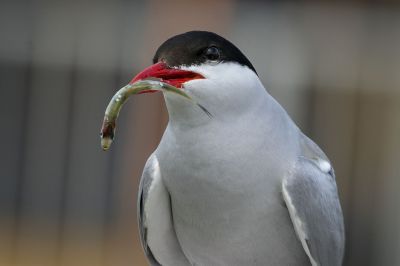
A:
334,65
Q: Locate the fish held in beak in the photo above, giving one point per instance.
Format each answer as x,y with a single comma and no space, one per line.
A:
151,84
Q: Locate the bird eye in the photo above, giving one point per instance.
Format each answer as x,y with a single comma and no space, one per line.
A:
212,53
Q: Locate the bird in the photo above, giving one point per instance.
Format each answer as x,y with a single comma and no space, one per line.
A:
241,186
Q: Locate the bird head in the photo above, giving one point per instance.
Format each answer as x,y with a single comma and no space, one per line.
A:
209,68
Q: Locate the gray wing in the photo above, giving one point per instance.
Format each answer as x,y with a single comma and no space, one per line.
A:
311,196
157,233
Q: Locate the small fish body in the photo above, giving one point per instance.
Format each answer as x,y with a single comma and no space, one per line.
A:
107,132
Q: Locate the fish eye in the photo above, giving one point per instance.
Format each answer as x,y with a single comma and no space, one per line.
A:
212,53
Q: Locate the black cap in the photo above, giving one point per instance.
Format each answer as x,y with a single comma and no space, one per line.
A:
198,47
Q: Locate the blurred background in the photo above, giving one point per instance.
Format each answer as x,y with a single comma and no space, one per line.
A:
334,65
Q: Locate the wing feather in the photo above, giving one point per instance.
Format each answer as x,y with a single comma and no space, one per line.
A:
311,197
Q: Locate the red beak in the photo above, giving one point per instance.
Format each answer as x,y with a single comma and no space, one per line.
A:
172,76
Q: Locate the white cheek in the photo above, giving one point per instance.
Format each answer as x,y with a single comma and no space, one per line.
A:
206,92
227,72
227,88
222,79
200,86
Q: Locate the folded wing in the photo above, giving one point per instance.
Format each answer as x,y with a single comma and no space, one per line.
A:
311,197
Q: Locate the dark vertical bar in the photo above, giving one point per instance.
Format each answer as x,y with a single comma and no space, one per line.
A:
15,50
66,170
